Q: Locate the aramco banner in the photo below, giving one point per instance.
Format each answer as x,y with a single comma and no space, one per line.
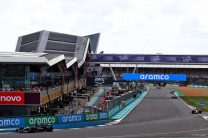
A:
63,119
41,120
11,122
154,77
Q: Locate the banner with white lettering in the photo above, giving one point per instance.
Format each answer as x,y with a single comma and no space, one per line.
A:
41,120
11,98
96,81
71,118
11,122
141,58
91,117
154,77
103,115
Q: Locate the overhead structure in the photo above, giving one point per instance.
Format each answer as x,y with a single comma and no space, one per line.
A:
150,60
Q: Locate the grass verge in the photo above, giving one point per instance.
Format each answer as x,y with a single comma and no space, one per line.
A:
195,101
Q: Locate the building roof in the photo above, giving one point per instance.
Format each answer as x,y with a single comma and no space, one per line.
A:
22,57
35,58
71,46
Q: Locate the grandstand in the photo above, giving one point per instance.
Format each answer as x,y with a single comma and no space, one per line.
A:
194,66
47,68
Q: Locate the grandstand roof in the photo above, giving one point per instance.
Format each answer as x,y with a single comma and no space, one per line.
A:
73,47
35,58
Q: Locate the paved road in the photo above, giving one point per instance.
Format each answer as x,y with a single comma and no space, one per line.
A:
156,116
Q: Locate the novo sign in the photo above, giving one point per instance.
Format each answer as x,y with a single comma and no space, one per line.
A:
11,122
154,77
12,98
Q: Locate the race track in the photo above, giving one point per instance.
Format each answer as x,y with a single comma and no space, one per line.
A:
156,116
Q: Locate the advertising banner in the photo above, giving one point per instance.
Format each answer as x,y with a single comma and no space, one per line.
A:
149,58
95,81
71,118
12,98
41,120
154,77
103,115
91,117
11,122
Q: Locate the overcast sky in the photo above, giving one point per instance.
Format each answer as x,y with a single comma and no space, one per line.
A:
126,26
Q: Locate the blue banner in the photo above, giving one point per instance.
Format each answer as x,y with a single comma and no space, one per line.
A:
103,115
154,77
71,118
11,122
202,104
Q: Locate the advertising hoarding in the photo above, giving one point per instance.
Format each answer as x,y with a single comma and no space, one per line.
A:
103,115
154,77
11,122
149,58
96,81
12,98
91,117
71,118
41,120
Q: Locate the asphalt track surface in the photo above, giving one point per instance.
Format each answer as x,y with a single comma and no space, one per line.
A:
156,116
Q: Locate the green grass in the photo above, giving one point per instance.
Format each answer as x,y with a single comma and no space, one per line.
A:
194,101
179,93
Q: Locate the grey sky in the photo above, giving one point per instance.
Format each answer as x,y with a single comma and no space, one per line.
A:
126,26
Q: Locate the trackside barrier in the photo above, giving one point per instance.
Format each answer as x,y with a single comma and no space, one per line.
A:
91,117
11,122
56,120
41,120
103,116
72,120
65,119
80,124
96,116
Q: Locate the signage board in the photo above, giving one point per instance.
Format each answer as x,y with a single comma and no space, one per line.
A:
141,58
96,81
11,122
91,117
71,118
12,98
41,120
154,77
103,115
202,104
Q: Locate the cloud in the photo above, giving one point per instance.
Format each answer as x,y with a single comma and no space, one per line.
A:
133,26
